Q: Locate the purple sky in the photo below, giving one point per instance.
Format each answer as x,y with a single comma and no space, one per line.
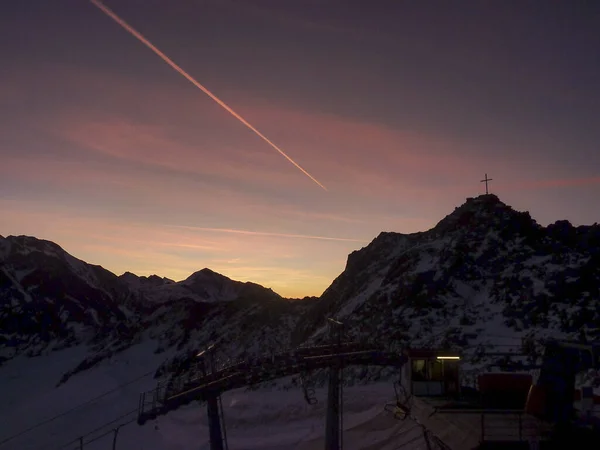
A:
397,107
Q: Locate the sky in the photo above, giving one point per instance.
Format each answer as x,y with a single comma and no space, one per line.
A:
398,108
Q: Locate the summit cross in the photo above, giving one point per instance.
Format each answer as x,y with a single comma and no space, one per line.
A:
486,183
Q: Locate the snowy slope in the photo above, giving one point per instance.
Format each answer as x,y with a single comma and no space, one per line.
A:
485,278
482,279
255,420
50,300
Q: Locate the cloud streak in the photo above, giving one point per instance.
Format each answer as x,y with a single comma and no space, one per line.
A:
269,234
171,63
288,265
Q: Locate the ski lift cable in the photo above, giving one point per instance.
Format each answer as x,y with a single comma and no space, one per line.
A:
101,427
69,411
81,443
112,430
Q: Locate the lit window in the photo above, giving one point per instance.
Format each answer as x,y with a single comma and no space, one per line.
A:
419,370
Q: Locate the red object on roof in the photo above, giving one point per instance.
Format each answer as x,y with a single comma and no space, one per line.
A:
504,382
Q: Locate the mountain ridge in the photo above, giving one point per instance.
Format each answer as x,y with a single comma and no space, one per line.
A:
483,270
50,300
483,246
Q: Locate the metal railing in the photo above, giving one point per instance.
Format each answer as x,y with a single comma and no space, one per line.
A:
505,425
509,426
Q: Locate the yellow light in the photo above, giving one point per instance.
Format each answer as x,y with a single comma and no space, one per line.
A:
448,357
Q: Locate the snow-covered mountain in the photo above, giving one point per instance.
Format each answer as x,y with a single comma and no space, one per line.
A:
483,273
50,300
202,286
485,277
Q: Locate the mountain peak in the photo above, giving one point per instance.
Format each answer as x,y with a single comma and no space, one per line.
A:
484,270
128,275
205,274
484,198
28,244
485,212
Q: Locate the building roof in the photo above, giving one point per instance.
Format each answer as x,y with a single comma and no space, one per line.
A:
430,353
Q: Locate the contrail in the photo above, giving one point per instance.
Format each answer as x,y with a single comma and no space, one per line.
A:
265,233
171,63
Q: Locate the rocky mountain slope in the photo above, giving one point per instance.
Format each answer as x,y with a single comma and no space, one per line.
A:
482,279
50,300
48,297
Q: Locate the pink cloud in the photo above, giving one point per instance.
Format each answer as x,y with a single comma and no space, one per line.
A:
139,234
368,167
213,165
181,130
551,183
76,180
375,159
